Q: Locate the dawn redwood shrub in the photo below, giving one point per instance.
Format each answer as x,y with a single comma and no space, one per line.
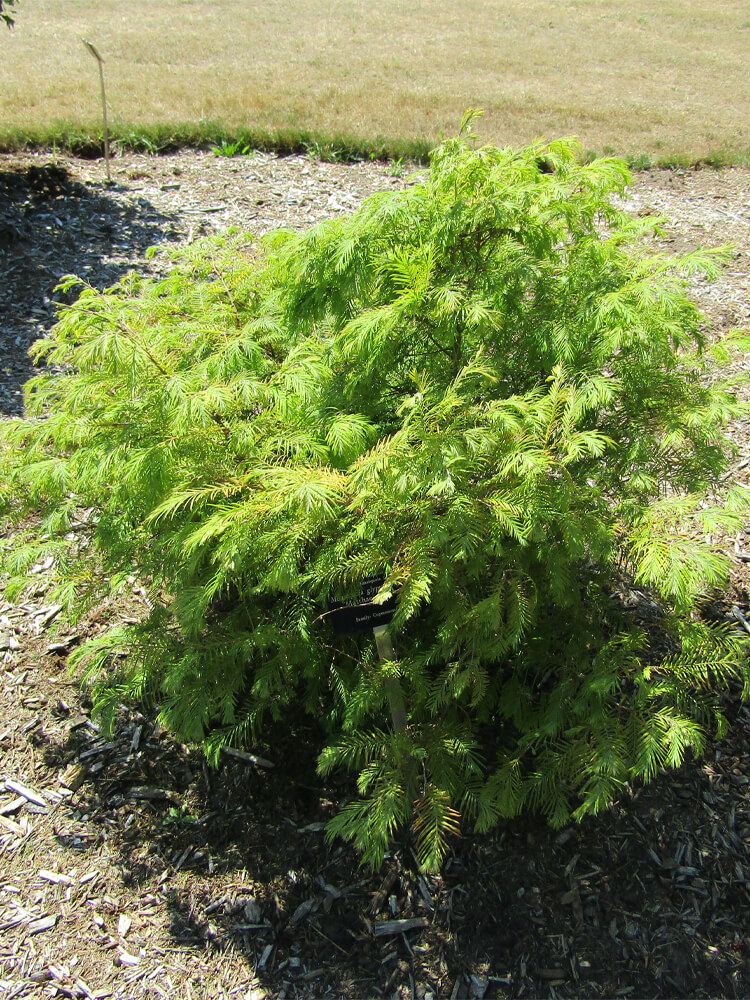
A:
487,388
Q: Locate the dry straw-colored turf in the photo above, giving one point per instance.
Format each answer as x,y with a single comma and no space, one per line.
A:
636,76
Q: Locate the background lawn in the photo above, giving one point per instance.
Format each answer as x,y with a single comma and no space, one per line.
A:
657,77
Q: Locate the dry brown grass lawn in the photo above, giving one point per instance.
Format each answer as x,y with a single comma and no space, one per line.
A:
635,75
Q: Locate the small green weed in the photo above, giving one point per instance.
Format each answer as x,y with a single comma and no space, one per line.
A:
676,161
396,167
328,152
640,161
238,148
179,816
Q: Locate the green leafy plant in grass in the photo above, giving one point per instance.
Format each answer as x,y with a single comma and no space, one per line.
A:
489,389
231,149
396,167
325,150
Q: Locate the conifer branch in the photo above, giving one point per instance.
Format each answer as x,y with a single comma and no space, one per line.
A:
227,291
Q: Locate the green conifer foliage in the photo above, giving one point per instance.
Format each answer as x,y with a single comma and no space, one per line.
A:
488,388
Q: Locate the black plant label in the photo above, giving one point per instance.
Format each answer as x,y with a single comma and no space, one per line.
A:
360,613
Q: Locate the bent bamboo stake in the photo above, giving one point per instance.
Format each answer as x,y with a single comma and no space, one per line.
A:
100,61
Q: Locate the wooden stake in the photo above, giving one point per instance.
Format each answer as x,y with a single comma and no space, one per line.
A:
100,61
386,651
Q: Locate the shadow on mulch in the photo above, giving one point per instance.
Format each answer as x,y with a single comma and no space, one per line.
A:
52,226
647,900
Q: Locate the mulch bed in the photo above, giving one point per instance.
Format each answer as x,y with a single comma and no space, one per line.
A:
129,868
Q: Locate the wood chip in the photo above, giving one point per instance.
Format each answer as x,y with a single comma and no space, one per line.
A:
11,827
37,810
741,618
550,974
13,806
302,912
55,877
73,777
83,720
380,896
479,986
62,645
265,956
95,751
125,958
124,923
28,793
250,758
425,893
384,928
42,924
151,794
41,976
45,615
183,858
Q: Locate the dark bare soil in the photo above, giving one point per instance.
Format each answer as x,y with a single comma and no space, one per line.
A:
129,869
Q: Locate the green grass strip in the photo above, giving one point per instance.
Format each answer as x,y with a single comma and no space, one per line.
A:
87,141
